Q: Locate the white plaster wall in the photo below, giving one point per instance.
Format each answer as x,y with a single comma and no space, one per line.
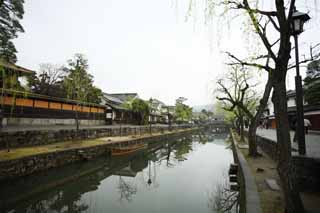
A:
291,102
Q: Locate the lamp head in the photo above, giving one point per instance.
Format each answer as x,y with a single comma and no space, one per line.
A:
298,20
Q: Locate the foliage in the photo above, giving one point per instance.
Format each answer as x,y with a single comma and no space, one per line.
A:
204,115
78,82
207,113
142,108
183,112
72,81
312,83
128,104
11,12
9,80
229,116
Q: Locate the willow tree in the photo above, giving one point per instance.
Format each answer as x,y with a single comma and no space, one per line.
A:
141,109
272,26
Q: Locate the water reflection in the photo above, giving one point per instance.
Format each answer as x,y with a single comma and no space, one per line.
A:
168,176
223,199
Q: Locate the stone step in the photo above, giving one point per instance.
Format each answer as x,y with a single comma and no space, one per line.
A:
272,184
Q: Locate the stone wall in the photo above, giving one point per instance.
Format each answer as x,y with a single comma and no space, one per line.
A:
249,198
28,165
308,173
10,169
268,146
307,169
43,137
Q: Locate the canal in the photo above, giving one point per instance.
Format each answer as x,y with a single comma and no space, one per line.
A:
180,175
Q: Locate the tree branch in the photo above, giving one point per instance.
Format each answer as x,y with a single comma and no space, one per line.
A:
256,26
244,63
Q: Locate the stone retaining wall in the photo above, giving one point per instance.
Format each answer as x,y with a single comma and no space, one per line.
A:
307,169
44,137
249,197
268,146
27,165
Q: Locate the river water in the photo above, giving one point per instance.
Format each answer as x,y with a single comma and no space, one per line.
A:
180,175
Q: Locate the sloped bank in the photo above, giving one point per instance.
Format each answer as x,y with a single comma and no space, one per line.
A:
249,197
10,169
28,138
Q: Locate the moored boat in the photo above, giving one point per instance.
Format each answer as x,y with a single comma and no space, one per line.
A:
115,151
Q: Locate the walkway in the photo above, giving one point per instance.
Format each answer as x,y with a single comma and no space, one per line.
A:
312,141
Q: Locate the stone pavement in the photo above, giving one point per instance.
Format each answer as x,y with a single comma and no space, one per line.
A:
312,141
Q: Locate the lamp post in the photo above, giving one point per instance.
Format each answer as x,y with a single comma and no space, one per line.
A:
298,20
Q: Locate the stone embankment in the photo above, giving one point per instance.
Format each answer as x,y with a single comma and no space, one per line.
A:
27,164
16,139
249,197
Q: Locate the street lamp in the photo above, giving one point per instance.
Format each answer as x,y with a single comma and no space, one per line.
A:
298,20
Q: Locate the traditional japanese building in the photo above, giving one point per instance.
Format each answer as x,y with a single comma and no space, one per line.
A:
20,107
311,112
118,113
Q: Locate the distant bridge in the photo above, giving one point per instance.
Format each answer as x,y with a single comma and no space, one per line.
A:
217,126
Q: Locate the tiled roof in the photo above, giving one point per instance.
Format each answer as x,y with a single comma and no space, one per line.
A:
109,97
15,67
306,108
124,96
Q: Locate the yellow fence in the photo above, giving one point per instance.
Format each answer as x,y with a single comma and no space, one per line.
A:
27,102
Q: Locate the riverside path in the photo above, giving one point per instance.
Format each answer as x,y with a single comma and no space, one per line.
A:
312,141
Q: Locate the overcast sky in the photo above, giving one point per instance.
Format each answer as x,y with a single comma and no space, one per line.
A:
142,46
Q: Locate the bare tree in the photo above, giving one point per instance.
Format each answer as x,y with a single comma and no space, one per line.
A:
48,81
242,99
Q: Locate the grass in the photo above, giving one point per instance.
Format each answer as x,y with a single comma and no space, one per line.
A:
29,151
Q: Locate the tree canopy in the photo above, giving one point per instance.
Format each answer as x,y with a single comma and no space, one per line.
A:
183,112
11,12
79,83
140,107
72,81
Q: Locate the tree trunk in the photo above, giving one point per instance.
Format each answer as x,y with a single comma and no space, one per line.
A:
252,139
252,135
77,119
285,167
241,123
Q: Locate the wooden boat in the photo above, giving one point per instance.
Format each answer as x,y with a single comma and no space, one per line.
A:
116,151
